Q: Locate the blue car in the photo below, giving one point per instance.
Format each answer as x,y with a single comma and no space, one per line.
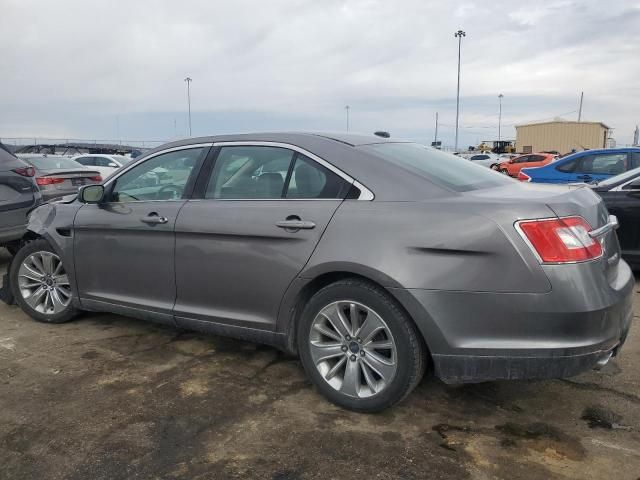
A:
588,166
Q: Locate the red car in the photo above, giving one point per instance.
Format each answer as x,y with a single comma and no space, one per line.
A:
512,167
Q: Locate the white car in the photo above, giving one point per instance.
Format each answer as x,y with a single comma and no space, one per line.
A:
485,159
105,164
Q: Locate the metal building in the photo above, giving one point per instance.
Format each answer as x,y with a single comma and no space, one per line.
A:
560,136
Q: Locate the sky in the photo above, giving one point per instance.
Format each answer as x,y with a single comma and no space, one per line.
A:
114,70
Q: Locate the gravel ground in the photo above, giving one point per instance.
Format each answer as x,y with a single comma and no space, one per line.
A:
107,397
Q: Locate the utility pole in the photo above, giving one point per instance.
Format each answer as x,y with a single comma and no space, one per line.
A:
499,115
435,137
347,110
459,34
580,109
118,128
189,80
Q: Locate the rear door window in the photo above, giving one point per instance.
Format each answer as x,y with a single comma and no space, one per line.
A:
249,172
603,164
263,172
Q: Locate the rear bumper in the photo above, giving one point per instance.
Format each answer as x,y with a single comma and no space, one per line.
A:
481,336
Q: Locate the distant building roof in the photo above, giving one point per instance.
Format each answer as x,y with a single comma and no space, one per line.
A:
564,122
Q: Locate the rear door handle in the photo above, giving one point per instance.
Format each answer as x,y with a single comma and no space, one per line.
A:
154,219
295,225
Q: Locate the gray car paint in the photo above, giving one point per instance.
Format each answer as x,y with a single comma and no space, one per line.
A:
485,306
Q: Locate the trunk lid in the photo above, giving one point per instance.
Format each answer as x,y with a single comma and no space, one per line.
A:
520,200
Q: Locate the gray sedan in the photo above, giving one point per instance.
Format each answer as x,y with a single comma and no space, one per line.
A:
372,259
58,176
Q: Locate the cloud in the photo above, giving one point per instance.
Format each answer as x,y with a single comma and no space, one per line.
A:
91,69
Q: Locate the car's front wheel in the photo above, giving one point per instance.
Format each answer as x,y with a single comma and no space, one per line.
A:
40,283
359,347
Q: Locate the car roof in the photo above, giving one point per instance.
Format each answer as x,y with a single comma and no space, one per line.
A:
604,150
295,138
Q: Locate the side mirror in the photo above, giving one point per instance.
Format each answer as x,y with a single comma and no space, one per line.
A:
634,186
113,165
91,193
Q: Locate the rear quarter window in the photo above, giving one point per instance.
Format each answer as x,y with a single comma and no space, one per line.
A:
443,169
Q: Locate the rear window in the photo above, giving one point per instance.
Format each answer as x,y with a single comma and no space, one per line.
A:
441,168
51,163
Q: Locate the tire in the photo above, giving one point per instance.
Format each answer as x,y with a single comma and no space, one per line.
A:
382,376
495,167
505,172
45,295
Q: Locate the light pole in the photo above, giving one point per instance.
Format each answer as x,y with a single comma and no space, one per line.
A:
347,110
499,114
459,34
189,80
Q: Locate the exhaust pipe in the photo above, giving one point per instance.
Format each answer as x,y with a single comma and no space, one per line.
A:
603,361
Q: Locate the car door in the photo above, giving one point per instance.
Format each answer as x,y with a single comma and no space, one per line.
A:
600,166
124,246
261,213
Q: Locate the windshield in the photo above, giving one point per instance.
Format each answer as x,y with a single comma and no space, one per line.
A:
53,163
440,168
619,178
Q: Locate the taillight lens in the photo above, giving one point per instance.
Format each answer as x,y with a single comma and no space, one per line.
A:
48,180
96,178
25,171
523,177
561,240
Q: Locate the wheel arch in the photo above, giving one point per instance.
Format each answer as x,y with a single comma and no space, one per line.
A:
304,287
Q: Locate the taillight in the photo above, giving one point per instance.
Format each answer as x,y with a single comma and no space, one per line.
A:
48,180
523,177
25,171
560,240
96,178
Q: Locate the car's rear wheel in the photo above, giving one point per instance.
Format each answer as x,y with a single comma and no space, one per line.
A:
504,171
359,347
40,283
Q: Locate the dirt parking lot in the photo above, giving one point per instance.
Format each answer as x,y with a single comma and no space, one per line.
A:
107,397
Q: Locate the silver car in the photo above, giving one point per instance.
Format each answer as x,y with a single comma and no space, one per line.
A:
58,176
372,259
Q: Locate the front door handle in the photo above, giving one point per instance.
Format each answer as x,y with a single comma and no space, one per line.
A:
585,177
154,219
296,225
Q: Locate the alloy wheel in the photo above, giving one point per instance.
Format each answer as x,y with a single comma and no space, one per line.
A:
353,349
43,283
